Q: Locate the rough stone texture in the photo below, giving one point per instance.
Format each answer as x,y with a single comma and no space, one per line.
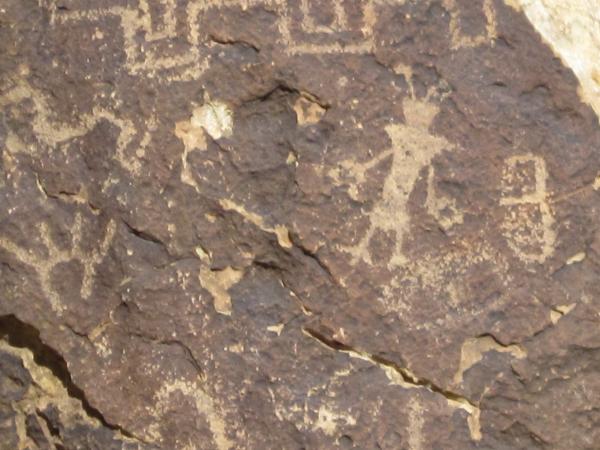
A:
290,224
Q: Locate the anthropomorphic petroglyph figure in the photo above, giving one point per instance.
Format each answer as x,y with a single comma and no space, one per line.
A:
413,147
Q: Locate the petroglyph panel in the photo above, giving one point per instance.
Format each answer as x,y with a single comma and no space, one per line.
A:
282,224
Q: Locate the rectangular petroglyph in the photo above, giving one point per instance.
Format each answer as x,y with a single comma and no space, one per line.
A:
529,222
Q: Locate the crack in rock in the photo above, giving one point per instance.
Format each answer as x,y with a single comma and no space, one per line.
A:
50,373
404,377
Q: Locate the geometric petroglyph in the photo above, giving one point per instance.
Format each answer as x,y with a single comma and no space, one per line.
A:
296,22
462,40
338,30
152,56
51,132
342,26
44,264
528,225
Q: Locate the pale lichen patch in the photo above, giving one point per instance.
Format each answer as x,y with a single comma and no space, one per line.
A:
214,118
473,350
218,282
308,112
560,311
577,258
277,329
280,231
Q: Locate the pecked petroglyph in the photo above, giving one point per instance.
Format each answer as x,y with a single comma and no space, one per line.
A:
423,221
44,264
51,132
416,420
146,61
296,36
461,40
205,405
529,222
413,148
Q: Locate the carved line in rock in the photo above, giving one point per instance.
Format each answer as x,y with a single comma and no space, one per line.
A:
192,63
189,65
51,132
530,239
416,420
44,264
414,147
459,39
330,415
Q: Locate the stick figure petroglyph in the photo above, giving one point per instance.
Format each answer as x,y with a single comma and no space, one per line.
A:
413,148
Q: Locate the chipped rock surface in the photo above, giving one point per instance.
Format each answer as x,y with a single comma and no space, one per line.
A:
299,224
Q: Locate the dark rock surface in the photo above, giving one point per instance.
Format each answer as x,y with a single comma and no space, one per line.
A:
290,224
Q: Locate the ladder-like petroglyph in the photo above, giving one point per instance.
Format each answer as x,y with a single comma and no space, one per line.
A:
529,225
459,38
